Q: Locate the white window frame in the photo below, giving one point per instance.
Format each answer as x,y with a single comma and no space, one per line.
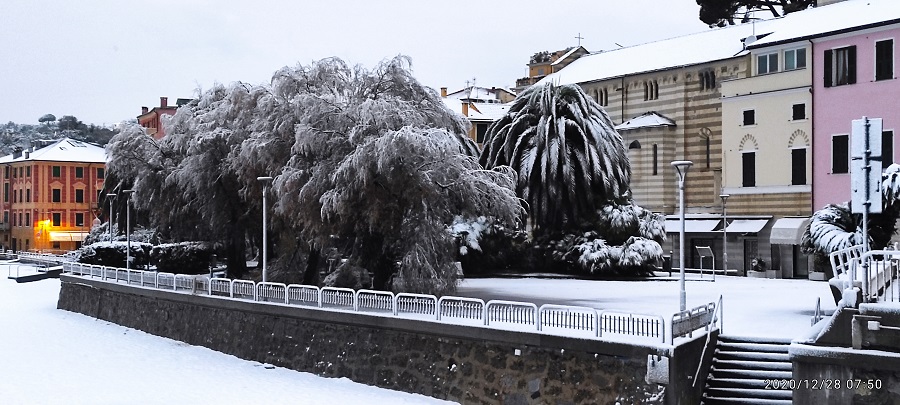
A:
796,59
768,57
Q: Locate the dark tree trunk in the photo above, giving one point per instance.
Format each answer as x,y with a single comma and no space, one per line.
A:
234,255
311,274
383,273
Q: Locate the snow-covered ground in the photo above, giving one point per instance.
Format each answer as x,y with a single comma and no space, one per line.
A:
752,306
50,356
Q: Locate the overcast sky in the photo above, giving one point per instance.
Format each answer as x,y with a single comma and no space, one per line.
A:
102,60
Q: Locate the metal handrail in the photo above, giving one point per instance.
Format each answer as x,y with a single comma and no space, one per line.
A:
709,330
460,309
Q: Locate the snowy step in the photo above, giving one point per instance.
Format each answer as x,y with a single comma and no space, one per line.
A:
750,365
751,374
748,393
737,382
753,347
751,339
758,356
745,401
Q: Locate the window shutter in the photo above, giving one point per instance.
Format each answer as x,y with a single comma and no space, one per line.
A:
749,166
851,71
828,67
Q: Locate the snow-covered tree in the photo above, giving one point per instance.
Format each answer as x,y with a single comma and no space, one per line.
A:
347,146
573,175
569,159
349,113
835,227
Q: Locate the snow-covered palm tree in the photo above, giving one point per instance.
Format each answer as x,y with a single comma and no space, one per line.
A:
569,159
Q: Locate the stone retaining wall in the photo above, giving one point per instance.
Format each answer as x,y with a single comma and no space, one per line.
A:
470,365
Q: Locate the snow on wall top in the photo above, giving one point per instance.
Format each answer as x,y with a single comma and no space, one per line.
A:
830,19
63,150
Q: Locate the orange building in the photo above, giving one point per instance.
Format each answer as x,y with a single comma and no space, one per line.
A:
152,118
50,195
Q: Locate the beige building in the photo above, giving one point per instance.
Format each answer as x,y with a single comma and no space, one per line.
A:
767,159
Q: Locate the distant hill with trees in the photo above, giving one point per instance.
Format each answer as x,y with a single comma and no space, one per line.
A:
14,135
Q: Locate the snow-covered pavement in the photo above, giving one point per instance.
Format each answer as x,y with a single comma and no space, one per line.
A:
752,306
50,356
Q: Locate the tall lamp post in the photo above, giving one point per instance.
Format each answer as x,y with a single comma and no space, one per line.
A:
681,169
128,227
110,196
724,198
265,180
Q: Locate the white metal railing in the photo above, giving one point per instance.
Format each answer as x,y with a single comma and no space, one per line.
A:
461,308
271,292
419,304
549,318
568,317
879,275
874,272
303,295
511,312
685,322
623,323
374,301
336,297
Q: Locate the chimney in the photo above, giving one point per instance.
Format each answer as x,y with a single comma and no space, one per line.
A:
27,154
443,92
465,109
144,110
163,102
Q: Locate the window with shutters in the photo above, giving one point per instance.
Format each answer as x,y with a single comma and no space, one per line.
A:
840,66
884,60
57,219
840,154
748,160
798,112
887,149
798,167
749,117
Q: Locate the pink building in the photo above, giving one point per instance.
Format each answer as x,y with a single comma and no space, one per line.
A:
854,75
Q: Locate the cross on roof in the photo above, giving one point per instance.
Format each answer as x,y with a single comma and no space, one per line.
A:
579,38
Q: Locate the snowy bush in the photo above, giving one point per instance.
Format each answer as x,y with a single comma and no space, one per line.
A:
114,254
183,257
485,245
348,275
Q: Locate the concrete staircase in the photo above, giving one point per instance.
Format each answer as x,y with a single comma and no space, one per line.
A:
741,368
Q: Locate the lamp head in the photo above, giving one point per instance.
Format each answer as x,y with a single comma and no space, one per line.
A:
724,197
264,178
682,166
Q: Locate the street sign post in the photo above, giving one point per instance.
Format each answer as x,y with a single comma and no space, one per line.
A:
865,170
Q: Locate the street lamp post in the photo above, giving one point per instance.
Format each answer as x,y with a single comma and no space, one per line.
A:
128,228
265,180
724,198
681,169
110,196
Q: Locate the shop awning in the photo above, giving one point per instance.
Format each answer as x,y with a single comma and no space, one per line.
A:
746,225
692,225
788,231
67,236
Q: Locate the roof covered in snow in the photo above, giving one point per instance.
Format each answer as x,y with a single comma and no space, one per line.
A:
706,46
727,42
482,94
849,15
651,119
478,111
62,150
